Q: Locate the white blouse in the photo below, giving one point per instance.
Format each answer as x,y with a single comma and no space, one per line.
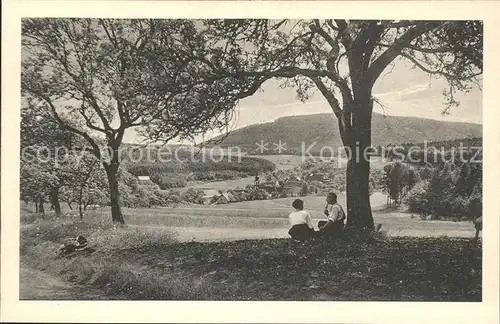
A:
300,217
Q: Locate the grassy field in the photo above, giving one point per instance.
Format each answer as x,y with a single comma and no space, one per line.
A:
283,162
267,219
203,252
141,263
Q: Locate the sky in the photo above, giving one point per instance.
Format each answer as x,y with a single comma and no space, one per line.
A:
402,92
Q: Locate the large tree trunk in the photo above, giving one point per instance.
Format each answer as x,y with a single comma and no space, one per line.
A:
80,198
80,211
41,209
359,213
54,199
356,135
111,172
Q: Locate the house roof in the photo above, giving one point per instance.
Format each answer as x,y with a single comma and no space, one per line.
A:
230,196
210,193
222,196
143,178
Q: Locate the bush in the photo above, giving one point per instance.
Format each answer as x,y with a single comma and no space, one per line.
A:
441,194
475,206
378,179
239,195
460,208
416,199
257,194
193,196
169,180
449,193
166,198
426,172
305,189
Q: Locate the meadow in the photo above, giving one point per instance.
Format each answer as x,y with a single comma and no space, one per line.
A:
266,219
162,263
282,162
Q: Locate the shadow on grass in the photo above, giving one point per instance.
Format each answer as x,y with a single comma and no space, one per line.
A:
141,264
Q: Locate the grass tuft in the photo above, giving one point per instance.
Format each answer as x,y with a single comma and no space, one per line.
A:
148,263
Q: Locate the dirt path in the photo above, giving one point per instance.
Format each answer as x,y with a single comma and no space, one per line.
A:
38,285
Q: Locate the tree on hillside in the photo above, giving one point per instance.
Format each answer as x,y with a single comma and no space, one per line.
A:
36,182
413,177
398,180
426,172
55,163
88,185
343,59
44,164
100,77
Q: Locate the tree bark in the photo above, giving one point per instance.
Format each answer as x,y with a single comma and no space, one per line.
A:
80,211
111,172
41,209
359,213
356,136
54,197
80,198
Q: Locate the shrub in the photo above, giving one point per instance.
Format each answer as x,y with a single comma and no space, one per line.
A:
305,189
257,194
193,196
475,206
398,179
460,208
426,172
169,180
441,193
413,177
239,195
416,199
378,179
166,198
450,193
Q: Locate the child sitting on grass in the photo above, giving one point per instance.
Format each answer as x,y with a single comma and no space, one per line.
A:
336,216
300,222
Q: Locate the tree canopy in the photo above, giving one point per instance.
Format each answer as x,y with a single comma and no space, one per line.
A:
100,77
343,59
180,78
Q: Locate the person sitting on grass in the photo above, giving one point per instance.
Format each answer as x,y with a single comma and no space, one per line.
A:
73,245
300,222
336,217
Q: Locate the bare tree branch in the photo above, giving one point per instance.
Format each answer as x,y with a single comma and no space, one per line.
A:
434,72
329,96
442,49
395,49
65,125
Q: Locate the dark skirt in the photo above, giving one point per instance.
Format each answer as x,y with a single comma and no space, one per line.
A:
301,232
331,228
